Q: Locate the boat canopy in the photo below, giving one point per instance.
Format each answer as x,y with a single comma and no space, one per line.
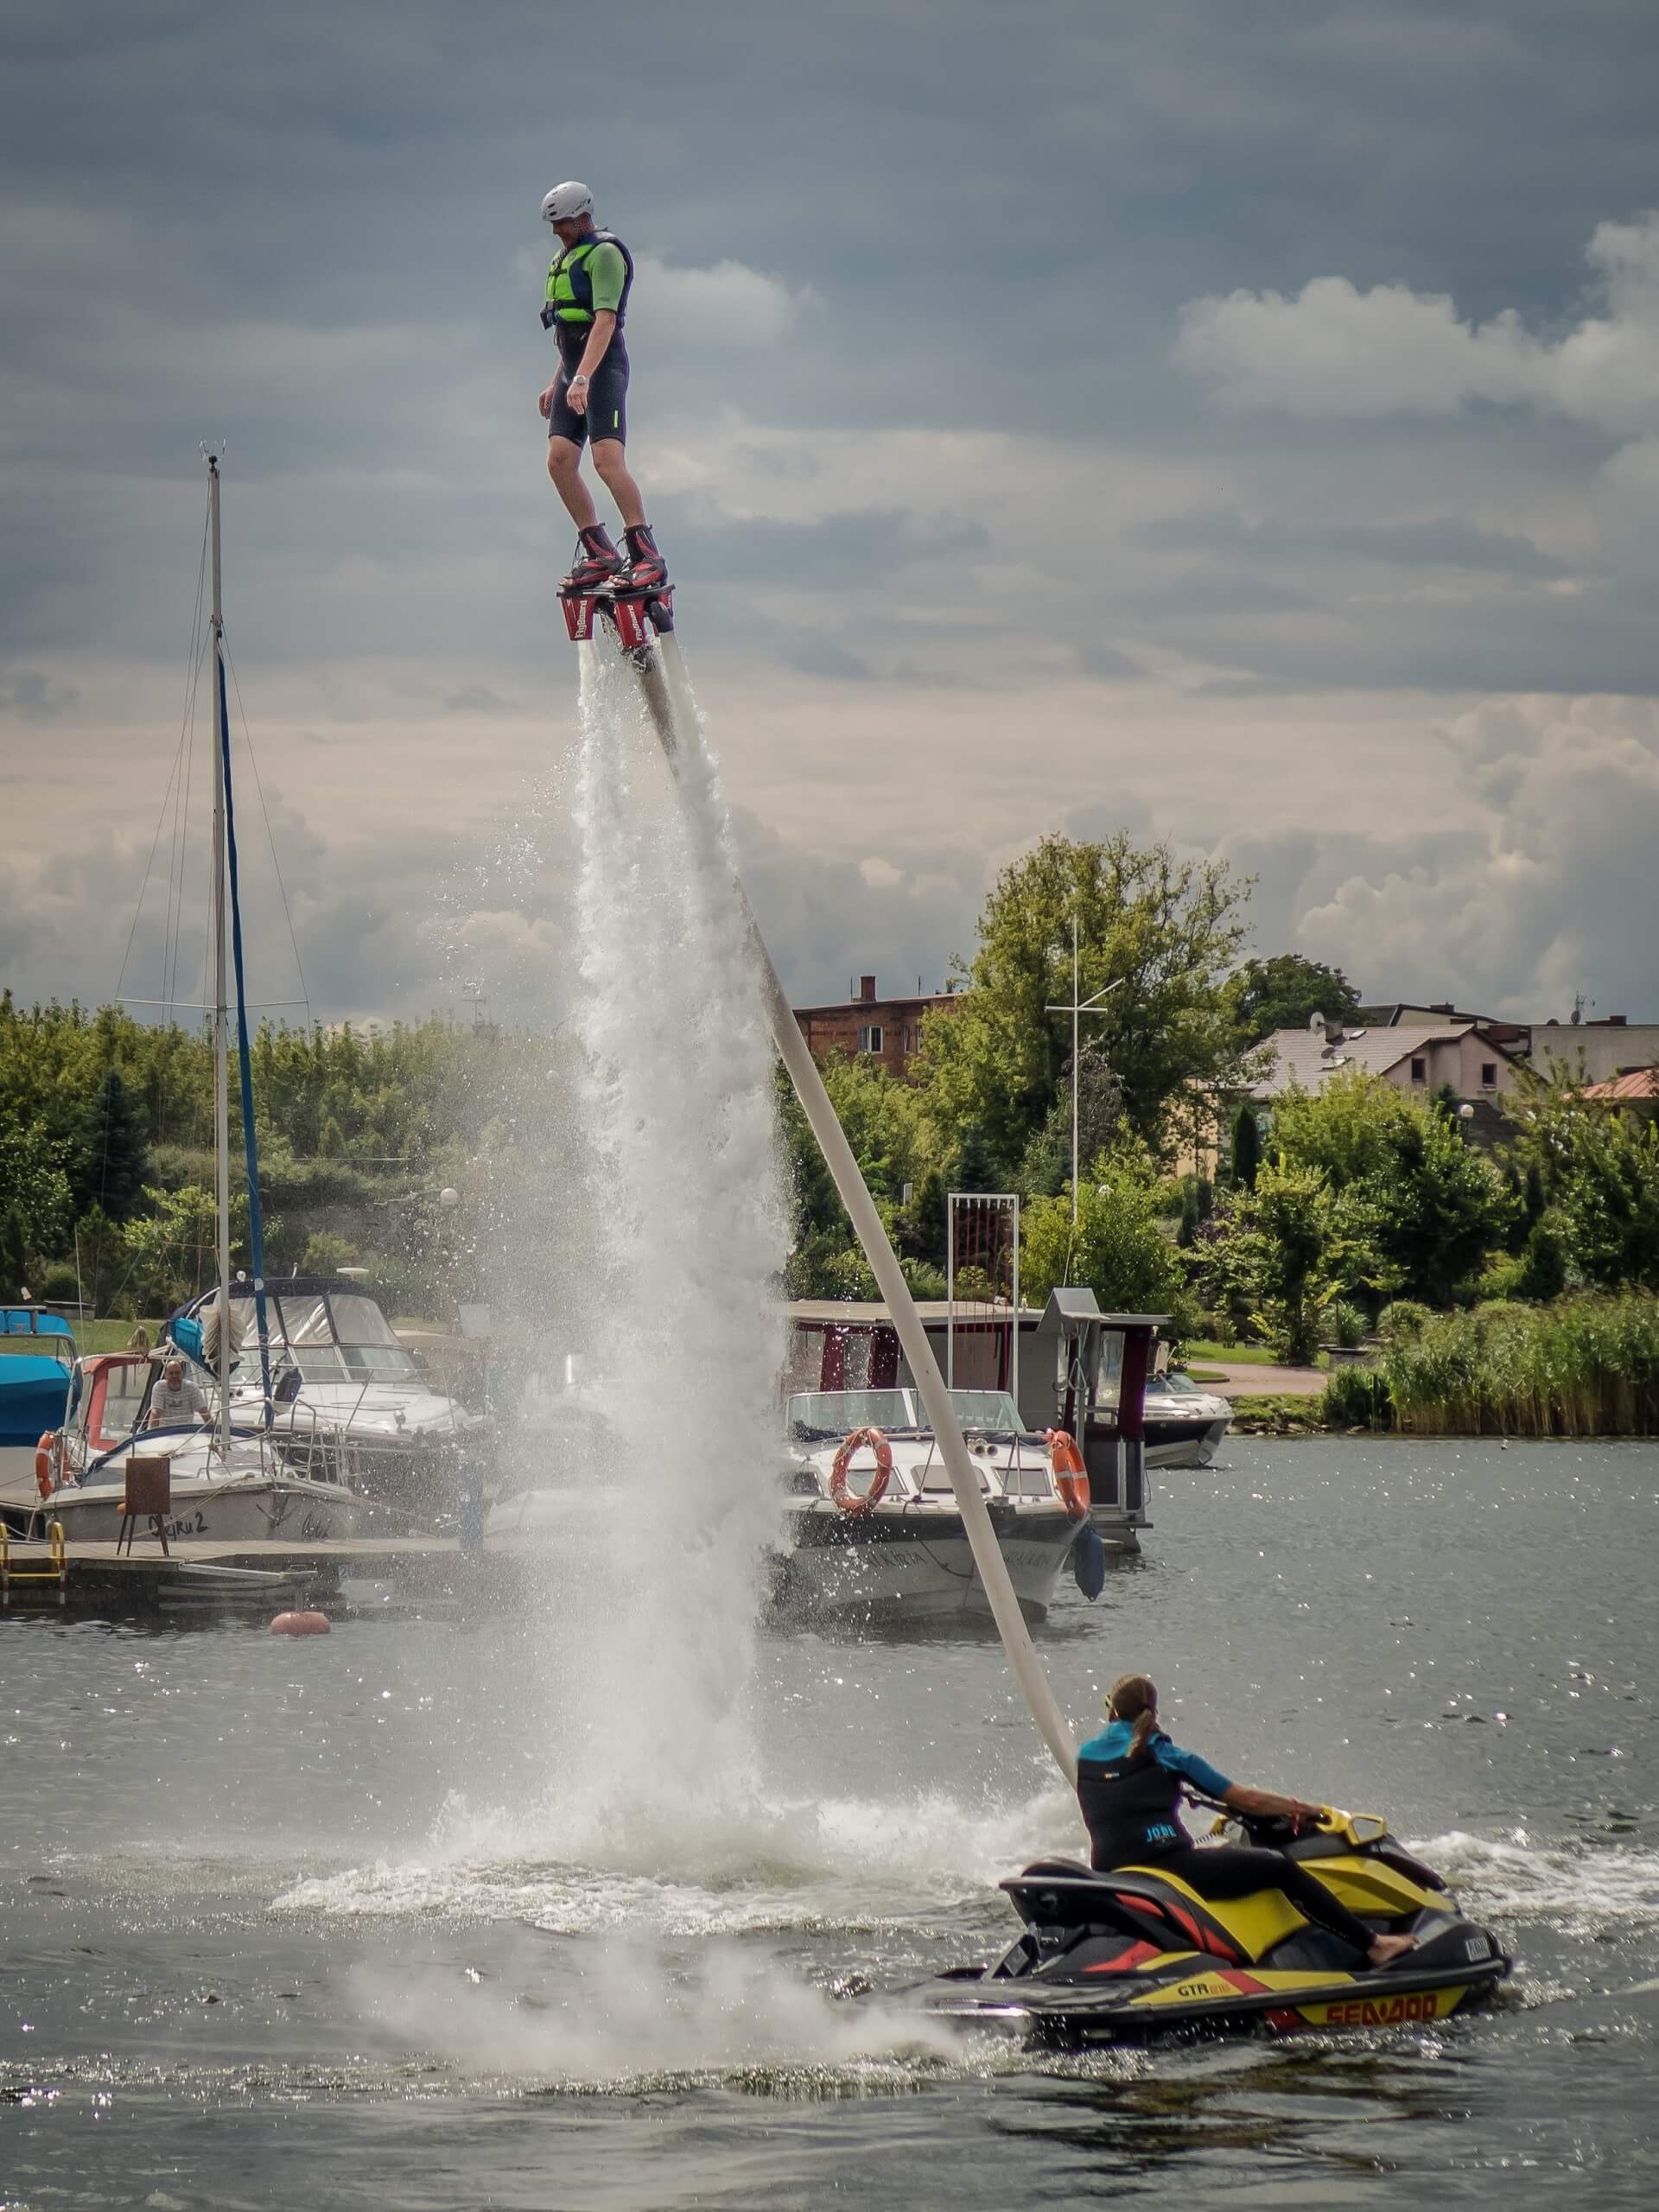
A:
34,1322
332,1328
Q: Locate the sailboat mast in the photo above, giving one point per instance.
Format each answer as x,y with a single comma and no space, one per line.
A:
221,1007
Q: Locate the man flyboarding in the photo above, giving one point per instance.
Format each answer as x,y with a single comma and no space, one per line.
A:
588,287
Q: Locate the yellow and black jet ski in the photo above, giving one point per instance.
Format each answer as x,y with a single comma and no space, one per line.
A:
1117,1957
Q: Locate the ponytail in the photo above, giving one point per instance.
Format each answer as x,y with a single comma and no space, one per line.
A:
1134,1698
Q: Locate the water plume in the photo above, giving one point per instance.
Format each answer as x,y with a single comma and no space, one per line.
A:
649,1597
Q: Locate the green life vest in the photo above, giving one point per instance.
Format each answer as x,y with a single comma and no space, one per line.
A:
570,283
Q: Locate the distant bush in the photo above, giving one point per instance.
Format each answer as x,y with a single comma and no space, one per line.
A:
1404,1322
325,1254
56,1283
1345,1323
1586,1366
1216,1329
1356,1397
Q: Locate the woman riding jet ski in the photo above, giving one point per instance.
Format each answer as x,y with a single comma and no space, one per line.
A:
1325,1921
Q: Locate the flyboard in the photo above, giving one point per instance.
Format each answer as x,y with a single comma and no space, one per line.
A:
642,621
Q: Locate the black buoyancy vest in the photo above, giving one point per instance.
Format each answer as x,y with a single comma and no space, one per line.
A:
1130,1807
570,285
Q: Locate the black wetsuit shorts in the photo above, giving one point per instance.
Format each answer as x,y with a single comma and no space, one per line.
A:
607,414
1226,1870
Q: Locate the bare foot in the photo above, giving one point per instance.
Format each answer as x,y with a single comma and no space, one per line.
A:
1385,1949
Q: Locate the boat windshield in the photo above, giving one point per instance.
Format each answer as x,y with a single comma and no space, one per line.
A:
32,1347
126,1386
817,1413
814,1415
341,1339
1172,1385
992,1412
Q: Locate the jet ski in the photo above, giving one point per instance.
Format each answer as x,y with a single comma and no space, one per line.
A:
1119,1956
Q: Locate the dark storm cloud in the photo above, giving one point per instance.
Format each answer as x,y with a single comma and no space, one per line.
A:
967,229
1445,543
851,547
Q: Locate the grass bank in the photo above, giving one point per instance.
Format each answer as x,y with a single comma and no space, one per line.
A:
1586,1366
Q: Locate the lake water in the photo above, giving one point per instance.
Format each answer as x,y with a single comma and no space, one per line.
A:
314,1924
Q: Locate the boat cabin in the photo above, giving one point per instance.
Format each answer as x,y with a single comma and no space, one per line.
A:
1069,1366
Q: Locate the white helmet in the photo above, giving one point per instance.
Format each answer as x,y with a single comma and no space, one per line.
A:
565,203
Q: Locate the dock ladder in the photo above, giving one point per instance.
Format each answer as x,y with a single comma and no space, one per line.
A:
58,1571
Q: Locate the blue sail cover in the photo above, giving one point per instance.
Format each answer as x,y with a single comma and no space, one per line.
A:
250,1144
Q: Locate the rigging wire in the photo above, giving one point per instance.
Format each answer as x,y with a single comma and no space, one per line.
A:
271,835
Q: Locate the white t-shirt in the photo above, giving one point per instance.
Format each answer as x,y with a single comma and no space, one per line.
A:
169,1408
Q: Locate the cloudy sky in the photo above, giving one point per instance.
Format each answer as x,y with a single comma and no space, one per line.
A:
1235,420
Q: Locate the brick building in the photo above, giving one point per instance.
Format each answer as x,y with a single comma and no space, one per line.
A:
888,1030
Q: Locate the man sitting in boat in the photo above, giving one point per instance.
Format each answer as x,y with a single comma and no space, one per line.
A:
175,1401
1129,1780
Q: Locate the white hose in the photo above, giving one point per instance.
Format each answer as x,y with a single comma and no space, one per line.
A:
674,714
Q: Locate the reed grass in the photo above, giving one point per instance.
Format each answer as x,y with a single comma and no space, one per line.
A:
1584,1366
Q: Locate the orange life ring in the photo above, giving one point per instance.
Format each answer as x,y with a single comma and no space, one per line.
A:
44,1462
849,1500
1070,1475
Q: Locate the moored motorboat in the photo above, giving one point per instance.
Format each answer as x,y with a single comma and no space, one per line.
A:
1120,1956
348,1401
873,1532
36,1353
1184,1425
231,1487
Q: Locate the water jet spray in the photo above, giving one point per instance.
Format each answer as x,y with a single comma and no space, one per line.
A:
649,646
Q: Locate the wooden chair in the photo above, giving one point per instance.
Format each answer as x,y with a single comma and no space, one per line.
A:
148,1498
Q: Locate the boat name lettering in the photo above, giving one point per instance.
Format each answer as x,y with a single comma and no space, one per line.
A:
188,1524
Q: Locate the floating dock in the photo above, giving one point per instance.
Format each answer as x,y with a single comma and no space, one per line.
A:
262,1576
259,1577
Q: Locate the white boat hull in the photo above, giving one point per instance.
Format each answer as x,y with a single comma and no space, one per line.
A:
1197,1449
915,1565
248,1508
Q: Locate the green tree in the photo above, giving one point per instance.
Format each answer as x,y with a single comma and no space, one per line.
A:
117,1164
1425,1203
36,1188
170,1250
1285,992
1607,1202
1045,1169
1281,1255
1246,1148
1117,1247
100,1246
1165,930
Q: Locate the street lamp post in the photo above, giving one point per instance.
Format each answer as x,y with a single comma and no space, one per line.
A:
1077,1009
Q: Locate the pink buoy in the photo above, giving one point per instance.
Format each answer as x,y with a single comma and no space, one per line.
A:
300,1625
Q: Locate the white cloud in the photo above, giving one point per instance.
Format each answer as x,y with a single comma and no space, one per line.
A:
1555,891
729,304
1334,350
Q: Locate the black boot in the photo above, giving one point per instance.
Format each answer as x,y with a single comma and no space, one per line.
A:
597,559
648,570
